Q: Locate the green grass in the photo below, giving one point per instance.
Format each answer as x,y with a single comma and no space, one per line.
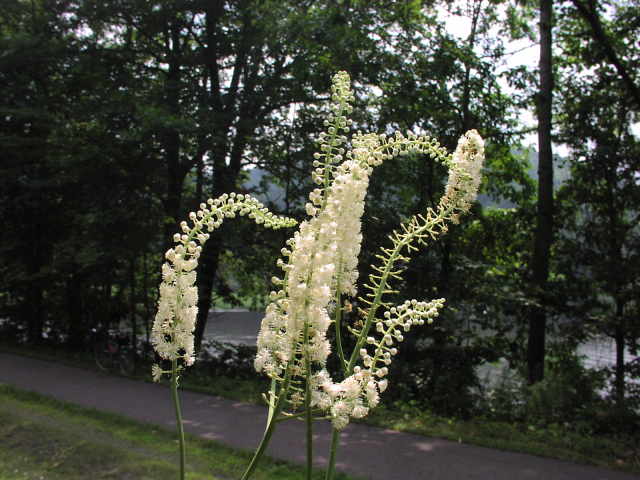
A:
42,438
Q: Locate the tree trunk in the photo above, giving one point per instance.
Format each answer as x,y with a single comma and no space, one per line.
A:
171,141
148,315
544,224
474,12
222,119
33,306
225,178
209,260
33,303
77,329
34,312
173,198
620,370
132,308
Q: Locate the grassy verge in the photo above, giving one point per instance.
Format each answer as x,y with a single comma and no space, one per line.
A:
621,453
42,438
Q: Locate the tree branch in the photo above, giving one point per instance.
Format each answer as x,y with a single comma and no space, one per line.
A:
590,14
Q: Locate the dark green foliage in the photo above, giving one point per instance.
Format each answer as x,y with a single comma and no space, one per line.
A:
569,399
568,394
227,360
600,243
441,378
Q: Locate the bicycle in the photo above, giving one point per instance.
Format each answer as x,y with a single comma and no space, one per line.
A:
112,352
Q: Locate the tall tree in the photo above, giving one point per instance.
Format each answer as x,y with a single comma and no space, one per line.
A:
224,70
544,219
77,178
31,70
601,201
449,85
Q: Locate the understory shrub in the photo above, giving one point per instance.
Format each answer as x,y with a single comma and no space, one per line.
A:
569,394
227,359
440,377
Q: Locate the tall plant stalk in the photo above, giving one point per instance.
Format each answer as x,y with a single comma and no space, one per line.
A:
271,424
307,407
178,410
172,333
333,451
322,268
320,271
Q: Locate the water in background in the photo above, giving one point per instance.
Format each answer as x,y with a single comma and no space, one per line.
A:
237,326
241,327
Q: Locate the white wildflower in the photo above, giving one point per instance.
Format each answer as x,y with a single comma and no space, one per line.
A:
156,372
321,263
465,171
175,321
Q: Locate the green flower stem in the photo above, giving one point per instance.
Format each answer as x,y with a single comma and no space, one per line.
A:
272,397
331,468
400,241
307,403
176,403
309,421
291,416
394,255
374,306
266,437
343,363
335,435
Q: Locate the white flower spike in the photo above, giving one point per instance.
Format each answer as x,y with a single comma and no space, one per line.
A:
320,265
172,332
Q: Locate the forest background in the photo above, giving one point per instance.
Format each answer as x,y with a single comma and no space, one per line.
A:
120,117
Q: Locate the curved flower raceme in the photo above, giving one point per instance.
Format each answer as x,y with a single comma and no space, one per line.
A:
322,266
359,392
172,332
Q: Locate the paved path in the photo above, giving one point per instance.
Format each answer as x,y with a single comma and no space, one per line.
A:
371,453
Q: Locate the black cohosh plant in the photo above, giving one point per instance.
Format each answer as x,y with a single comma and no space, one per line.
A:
319,265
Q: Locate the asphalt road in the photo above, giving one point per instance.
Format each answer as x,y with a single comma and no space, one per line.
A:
369,452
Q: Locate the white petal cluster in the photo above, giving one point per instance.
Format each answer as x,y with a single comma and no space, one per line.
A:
325,249
322,260
358,393
172,332
323,254
465,171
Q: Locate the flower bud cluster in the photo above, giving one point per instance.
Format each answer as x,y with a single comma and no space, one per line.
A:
359,392
332,142
323,254
399,145
396,320
353,397
172,332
